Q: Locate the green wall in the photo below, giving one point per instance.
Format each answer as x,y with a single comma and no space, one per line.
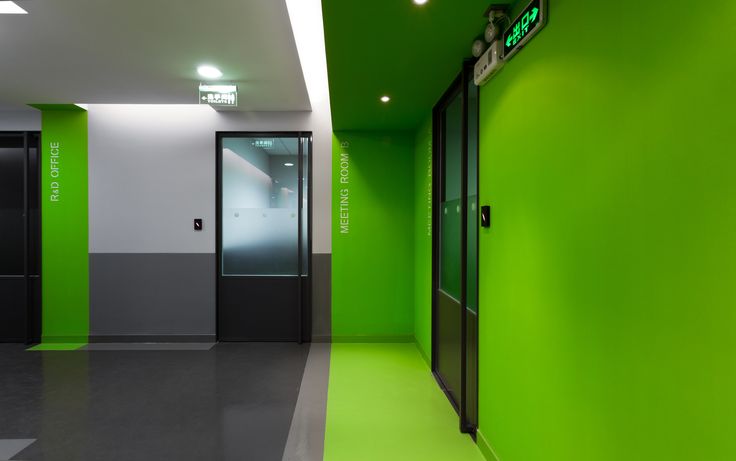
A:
423,239
608,302
373,263
64,225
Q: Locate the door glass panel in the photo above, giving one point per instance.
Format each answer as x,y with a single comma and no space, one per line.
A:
306,154
12,155
473,207
34,219
451,206
260,194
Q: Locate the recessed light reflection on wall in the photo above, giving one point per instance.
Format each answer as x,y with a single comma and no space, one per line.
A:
385,99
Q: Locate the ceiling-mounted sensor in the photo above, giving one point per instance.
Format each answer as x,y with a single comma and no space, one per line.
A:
479,47
496,14
492,32
496,11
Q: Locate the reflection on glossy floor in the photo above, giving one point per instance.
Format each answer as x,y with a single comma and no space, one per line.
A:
234,401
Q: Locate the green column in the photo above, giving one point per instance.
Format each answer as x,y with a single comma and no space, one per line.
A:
64,225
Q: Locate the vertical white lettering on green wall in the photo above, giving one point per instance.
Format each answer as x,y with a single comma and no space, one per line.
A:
345,189
429,189
55,170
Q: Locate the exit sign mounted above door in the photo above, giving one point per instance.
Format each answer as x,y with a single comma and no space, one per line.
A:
218,95
531,20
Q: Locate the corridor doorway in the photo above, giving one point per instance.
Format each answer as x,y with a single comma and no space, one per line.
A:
264,239
455,247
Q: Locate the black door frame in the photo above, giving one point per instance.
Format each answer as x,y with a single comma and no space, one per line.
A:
32,291
459,86
304,328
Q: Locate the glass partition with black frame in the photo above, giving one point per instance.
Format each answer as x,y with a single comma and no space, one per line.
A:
455,247
20,238
264,236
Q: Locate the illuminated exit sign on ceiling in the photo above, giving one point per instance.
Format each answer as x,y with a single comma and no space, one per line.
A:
218,95
526,26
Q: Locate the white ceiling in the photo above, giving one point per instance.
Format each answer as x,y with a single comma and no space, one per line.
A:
147,51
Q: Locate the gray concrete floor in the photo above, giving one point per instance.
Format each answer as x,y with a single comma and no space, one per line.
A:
232,402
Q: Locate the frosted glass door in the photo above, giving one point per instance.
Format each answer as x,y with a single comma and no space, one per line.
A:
260,206
451,218
264,245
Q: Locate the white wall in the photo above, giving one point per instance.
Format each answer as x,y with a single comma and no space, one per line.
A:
152,171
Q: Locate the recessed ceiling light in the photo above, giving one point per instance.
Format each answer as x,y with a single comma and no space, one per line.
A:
420,2
11,8
385,99
288,164
209,71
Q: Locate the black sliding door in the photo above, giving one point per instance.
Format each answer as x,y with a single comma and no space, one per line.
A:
455,254
20,281
264,236
448,258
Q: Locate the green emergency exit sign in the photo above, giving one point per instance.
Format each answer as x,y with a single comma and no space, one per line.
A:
531,20
218,95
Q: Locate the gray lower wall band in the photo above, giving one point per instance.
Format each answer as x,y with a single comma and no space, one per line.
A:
140,296
152,294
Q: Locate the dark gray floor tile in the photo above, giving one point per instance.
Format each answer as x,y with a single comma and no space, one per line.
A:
233,402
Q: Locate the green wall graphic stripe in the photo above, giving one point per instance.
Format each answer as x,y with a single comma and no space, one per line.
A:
64,224
423,240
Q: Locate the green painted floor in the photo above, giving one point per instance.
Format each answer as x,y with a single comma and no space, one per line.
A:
383,404
57,347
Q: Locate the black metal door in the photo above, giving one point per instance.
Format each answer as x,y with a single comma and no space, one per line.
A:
448,246
20,282
264,236
455,254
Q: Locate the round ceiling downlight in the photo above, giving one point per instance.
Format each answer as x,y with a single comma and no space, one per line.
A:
210,72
